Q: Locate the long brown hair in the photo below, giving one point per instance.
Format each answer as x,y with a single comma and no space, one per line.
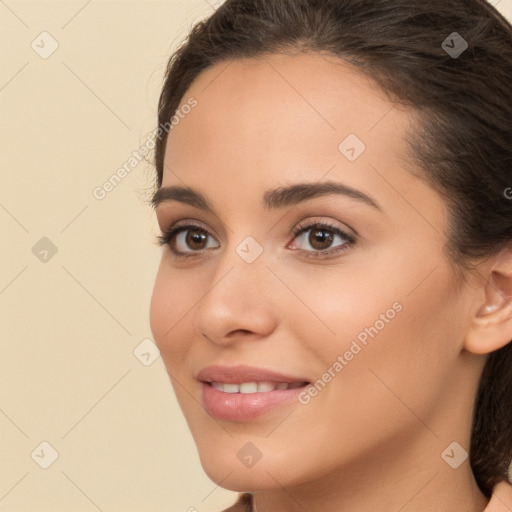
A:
462,142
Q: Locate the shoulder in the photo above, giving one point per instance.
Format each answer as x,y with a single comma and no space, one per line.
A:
501,499
243,504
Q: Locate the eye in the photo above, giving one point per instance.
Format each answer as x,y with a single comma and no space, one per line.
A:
182,237
185,240
321,238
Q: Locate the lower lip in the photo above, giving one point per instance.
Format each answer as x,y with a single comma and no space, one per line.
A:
245,406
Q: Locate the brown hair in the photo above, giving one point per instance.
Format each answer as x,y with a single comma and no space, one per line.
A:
462,142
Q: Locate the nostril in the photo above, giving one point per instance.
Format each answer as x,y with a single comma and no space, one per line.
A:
243,331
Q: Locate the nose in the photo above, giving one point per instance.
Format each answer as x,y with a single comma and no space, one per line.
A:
240,302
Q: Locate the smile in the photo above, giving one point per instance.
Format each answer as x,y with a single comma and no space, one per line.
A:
242,393
255,387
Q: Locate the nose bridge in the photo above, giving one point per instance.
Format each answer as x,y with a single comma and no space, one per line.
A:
240,278
244,258
240,294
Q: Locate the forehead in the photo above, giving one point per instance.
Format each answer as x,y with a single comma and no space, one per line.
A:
295,92
278,119
280,106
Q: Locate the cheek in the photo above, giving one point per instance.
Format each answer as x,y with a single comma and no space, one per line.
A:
337,307
170,303
387,322
404,364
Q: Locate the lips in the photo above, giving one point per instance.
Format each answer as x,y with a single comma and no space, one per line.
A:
242,373
242,393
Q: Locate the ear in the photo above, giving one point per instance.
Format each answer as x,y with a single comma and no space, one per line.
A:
491,325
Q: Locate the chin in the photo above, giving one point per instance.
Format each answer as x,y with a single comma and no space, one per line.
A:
229,465
240,479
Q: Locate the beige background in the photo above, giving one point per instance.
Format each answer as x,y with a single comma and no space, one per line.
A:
70,323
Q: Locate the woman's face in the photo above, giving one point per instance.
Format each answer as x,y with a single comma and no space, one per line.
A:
349,291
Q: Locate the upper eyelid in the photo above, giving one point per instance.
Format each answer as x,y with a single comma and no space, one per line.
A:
302,225
187,224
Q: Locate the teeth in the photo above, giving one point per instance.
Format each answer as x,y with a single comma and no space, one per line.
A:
231,388
254,387
265,387
248,387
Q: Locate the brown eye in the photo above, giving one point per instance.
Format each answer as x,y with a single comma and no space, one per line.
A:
320,239
191,239
186,240
195,239
317,239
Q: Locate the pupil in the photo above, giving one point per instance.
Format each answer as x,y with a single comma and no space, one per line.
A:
195,238
318,236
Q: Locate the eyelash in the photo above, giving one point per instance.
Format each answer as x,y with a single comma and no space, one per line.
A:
168,235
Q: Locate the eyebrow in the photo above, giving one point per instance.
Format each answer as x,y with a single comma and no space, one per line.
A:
272,199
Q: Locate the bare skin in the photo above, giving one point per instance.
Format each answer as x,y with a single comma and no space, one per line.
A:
373,438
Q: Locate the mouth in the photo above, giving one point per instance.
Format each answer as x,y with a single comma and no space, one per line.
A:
255,387
243,393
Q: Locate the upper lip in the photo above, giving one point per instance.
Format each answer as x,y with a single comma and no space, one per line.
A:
243,373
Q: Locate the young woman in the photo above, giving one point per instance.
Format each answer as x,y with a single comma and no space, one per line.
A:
334,300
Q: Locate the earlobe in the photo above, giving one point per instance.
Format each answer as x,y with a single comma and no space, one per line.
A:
491,326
